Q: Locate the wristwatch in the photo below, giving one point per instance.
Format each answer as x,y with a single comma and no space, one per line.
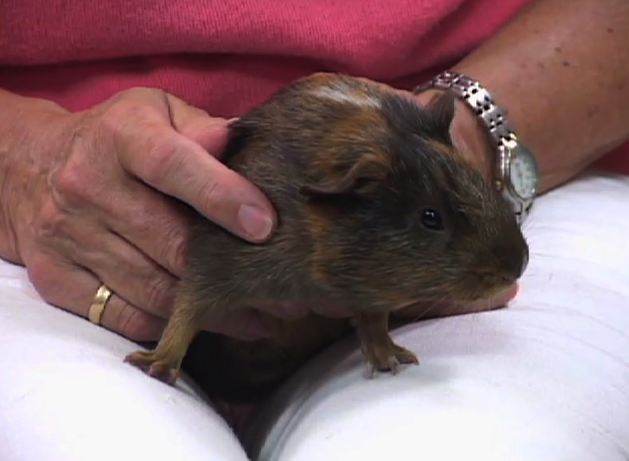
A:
516,174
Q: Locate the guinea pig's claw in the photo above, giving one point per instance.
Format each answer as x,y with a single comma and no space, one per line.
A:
154,366
389,359
391,366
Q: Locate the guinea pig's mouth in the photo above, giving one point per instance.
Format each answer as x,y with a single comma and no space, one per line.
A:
483,285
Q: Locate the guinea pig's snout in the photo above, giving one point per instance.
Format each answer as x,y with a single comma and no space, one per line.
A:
513,260
525,260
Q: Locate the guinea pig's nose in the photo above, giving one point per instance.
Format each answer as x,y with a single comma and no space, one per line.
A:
514,260
525,260
519,263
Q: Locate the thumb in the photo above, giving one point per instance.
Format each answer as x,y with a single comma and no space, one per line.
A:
179,166
432,310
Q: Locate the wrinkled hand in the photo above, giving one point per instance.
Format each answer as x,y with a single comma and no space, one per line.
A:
93,205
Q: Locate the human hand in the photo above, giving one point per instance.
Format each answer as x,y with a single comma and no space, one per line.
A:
97,197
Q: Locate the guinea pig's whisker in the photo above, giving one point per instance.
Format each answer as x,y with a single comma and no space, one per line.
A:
428,308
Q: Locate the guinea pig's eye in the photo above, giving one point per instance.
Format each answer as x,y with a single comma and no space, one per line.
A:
431,219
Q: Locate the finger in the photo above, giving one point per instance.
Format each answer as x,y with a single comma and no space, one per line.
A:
179,167
73,288
446,309
119,264
497,301
154,223
129,272
153,289
193,122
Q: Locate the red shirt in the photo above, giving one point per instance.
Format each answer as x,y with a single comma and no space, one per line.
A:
227,56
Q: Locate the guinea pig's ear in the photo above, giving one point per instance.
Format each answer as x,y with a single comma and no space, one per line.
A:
361,178
441,108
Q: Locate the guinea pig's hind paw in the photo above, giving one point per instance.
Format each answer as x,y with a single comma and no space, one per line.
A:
389,359
153,366
405,356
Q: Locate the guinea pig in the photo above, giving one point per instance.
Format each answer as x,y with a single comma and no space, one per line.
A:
376,211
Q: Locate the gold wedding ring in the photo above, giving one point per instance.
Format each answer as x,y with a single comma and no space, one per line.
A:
95,313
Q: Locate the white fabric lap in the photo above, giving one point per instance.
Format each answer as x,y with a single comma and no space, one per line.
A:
66,395
546,379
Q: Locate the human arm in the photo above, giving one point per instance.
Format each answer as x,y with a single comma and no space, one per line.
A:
560,69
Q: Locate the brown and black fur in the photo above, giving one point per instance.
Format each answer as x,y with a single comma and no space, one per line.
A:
350,182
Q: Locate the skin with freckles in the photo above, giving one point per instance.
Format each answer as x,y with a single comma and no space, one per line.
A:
560,69
377,211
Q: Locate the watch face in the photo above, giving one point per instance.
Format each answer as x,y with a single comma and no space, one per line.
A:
523,173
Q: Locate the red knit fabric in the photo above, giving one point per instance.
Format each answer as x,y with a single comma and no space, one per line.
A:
226,56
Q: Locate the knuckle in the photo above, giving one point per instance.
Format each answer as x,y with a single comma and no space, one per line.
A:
70,185
132,93
51,222
136,325
212,194
175,248
165,157
131,105
142,93
211,190
158,294
124,109
114,119
43,276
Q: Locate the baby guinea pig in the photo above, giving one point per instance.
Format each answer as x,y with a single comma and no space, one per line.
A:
377,211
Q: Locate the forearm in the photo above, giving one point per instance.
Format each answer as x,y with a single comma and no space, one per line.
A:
19,119
561,71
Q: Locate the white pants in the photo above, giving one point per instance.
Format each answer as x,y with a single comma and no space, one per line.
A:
546,379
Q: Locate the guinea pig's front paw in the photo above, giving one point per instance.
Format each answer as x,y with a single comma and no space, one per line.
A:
388,358
153,365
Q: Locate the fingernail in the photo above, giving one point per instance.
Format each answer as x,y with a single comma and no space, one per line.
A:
255,222
505,296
